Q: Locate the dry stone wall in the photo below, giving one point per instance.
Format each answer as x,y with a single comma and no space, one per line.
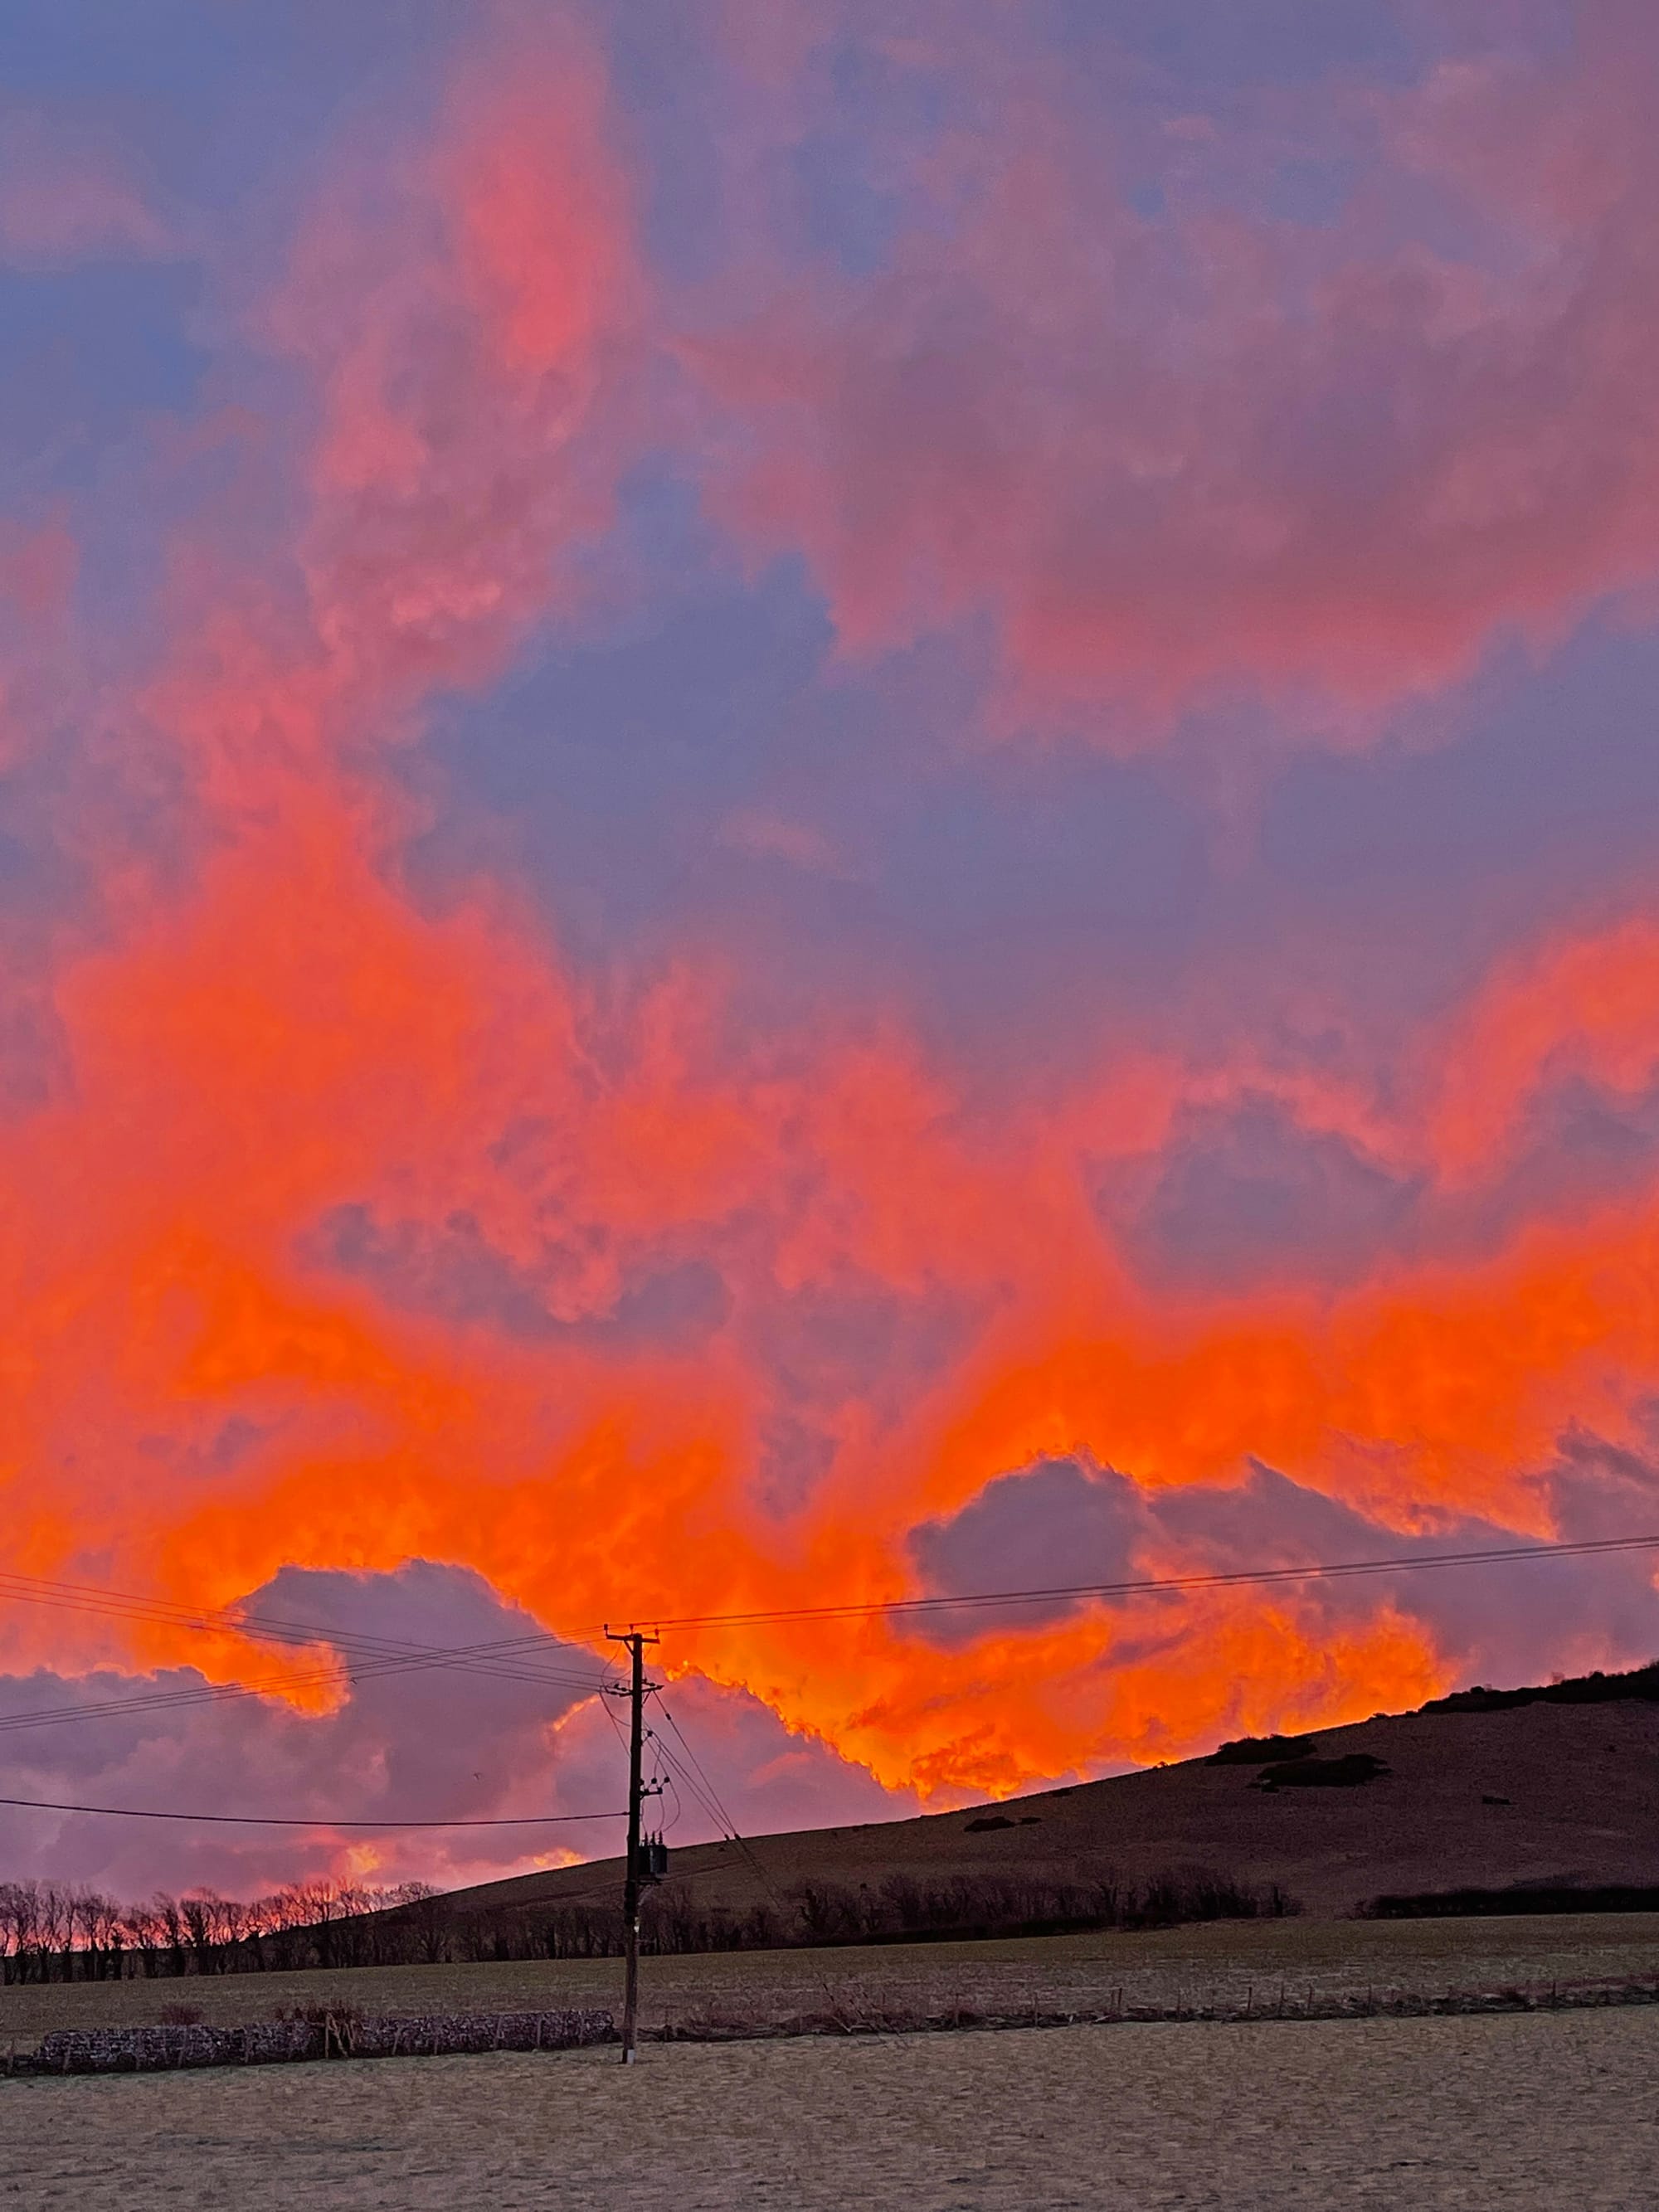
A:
274,2042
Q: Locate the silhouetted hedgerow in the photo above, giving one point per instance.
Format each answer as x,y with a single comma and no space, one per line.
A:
51,1934
1531,1897
1641,1684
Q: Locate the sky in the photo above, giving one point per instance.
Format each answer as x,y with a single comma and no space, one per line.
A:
805,801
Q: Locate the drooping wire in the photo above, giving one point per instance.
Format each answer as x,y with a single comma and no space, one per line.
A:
505,1649
705,1805
697,1779
270,1687
375,1656
761,1872
314,1820
1500,1555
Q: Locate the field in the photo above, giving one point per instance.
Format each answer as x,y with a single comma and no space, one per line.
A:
1529,2111
1191,1968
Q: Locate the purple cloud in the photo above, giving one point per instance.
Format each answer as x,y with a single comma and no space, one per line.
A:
1064,1522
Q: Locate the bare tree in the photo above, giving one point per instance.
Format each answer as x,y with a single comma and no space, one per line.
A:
95,1929
426,1914
171,1932
17,1928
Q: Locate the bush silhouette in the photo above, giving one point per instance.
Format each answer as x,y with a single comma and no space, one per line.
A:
1344,1773
1251,1750
1531,1897
1641,1684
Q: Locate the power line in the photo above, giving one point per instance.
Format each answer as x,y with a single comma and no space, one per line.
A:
375,1656
863,1609
674,1773
1237,1578
216,1693
319,1821
383,1655
733,1835
270,1687
200,1694
697,1780
86,1598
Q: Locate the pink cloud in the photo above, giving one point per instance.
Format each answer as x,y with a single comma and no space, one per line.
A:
1160,457
65,196
766,835
37,568
464,311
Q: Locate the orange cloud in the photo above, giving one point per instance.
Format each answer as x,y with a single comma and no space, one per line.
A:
1588,1008
362,1233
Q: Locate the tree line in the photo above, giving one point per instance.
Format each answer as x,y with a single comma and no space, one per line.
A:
896,1910
50,1932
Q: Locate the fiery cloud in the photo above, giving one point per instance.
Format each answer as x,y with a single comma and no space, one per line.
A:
550,1038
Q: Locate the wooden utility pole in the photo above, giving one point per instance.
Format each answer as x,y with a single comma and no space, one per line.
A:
635,1642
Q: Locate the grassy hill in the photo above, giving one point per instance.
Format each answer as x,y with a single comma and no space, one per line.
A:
1559,1783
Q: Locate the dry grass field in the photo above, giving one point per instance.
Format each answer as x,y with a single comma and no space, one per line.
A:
1192,1967
1530,2110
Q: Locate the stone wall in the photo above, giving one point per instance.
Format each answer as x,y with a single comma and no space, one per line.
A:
342,2035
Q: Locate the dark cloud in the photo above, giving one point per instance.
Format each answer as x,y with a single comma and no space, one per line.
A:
794,1457
518,1735
1576,1147
857,1339
852,1347
768,1777
1243,1195
451,1271
408,1742
1064,1522
706,767
1048,1526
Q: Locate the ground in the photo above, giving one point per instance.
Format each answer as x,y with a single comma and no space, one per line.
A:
1522,2111
1225,1965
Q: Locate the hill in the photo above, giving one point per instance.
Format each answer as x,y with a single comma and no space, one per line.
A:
1484,1790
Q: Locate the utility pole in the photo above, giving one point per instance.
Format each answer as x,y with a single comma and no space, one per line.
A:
635,1642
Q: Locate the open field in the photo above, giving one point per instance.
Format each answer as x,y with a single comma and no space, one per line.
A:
1534,2110
1193,1967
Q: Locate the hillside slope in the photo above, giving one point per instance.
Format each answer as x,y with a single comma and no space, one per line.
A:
1531,1792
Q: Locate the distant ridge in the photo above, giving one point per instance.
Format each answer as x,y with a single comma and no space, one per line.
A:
1552,1785
1597,1689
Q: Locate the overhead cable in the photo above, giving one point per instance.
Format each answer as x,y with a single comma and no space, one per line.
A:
317,1820
1240,1578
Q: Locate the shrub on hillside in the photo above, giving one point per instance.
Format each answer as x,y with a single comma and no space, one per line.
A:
1532,1897
1347,1772
1251,1750
1641,1684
